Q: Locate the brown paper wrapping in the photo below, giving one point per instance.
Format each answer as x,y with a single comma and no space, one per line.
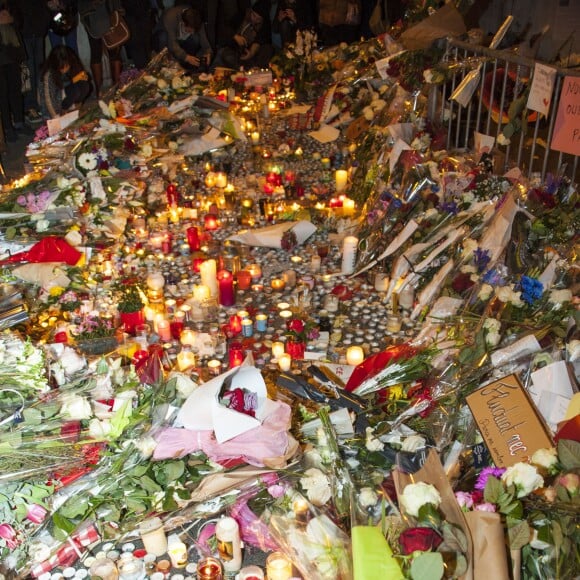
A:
447,21
489,547
432,472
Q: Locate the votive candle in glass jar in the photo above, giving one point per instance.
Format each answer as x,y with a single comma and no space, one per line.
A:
277,284
209,569
261,322
354,355
284,362
277,349
278,567
251,573
244,279
214,366
289,277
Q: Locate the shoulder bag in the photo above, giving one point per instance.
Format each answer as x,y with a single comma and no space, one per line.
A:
119,32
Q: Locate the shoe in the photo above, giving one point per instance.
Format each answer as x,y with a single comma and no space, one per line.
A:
33,117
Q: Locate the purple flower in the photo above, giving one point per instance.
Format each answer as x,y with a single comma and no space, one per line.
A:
481,259
485,473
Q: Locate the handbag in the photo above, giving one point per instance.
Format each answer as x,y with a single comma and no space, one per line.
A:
119,32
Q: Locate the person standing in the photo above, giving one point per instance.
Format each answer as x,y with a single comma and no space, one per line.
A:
139,18
34,31
64,23
12,54
292,15
96,18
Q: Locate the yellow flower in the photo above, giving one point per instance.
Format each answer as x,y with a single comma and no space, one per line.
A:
56,291
396,392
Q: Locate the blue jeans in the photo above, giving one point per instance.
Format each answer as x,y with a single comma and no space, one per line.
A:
35,51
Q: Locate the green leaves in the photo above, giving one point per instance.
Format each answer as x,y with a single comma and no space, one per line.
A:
427,566
518,535
493,490
429,516
569,454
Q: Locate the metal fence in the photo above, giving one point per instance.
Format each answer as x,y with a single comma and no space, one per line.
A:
503,77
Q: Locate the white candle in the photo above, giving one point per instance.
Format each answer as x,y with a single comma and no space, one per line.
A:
208,272
286,314
348,207
221,180
255,136
187,337
284,361
227,533
354,355
177,552
277,349
153,536
315,264
381,281
341,179
185,359
349,250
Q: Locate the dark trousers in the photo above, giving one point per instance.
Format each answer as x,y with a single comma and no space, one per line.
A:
11,108
35,51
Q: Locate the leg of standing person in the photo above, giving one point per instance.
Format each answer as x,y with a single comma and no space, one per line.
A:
15,101
35,51
116,64
9,132
96,48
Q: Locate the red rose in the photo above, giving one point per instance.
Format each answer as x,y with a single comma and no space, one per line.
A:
422,539
296,325
461,283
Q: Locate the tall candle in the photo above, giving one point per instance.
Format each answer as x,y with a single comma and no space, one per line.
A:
341,179
348,207
349,250
227,532
164,330
193,238
226,292
235,324
207,271
354,355
277,349
236,355
289,276
153,536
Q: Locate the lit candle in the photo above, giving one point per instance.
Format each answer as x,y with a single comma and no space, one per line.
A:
221,180
261,322
282,306
226,292
201,292
153,536
340,179
278,567
209,569
243,314
393,324
235,324
325,162
193,238
164,330
255,271
348,207
285,362
210,179
236,354
381,282
210,222
286,315
277,349
155,281
255,136
354,355
301,510
278,284
188,337
244,279
214,366
207,271
247,327
185,359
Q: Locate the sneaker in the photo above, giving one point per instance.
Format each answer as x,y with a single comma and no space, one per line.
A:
33,117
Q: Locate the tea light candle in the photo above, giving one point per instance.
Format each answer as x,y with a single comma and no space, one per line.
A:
187,337
284,361
278,567
286,315
208,274
354,355
277,349
278,284
325,162
243,314
257,287
214,366
340,179
185,359
210,179
282,306
153,536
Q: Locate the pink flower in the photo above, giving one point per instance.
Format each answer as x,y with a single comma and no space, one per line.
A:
36,513
277,491
485,507
464,499
570,481
7,532
270,478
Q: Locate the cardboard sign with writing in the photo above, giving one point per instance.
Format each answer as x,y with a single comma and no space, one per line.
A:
541,89
508,421
566,136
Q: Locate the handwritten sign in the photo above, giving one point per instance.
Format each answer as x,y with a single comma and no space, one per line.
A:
542,88
566,136
508,421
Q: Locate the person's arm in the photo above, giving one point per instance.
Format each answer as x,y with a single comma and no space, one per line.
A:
171,24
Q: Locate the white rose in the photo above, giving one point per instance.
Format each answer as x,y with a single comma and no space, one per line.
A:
161,84
503,293
573,349
546,458
42,225
372,443
368,113
71,361
416,495
146,446
413,443
485,292
99,429
503,140
317,486
428,75
368,497
524,477
75,407
560,296
147,150
184,385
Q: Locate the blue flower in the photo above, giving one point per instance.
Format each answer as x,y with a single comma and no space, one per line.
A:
481,259
531,289
493,278
449,207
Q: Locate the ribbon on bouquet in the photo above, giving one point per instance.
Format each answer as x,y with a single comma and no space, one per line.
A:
69,552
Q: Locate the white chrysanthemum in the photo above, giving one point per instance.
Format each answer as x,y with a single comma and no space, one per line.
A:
367,497
87,161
